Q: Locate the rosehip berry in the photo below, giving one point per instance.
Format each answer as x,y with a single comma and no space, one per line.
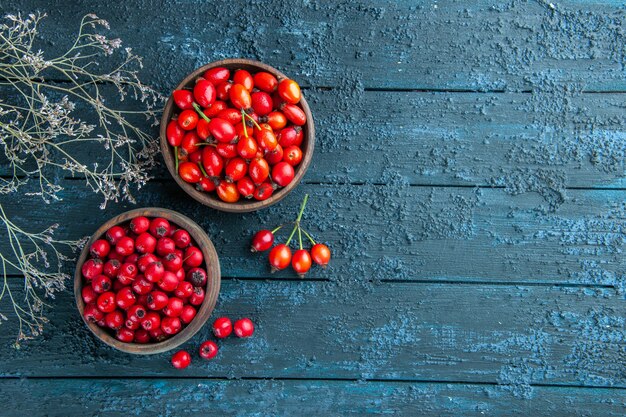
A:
263,191
190,172
125,335
183,99
266,140
151,321
244,327
247,147
280,257
181,238
292,155
114,320
197,297
301,262
125,246
222,130
320,254
164,246
193,257
101,284
294,114
217,75
223,89
100,248
276,119
145,260
275,156
289,90
92,268
244,78
112,268
174,307
127,273
145,243
141,285
92,313
262,241
204,92
114,234
282,173
265,81
171,325
258,170
159,227
188,314
246,187
227,192
157,300
208,349
174,133
142,336
222,327
106,302
212,162
197,277
154,272
169,282
181,359
184,289
136,313
235,169
125,298
88,294
261,103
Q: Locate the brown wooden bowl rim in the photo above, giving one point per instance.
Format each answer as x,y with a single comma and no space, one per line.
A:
213,281
209,199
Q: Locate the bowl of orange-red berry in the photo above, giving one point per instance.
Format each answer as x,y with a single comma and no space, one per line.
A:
237,135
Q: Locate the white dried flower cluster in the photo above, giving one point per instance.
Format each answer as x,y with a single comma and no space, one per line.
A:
42,136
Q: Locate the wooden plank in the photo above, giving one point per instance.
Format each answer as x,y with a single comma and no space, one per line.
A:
395,231
512,336
270,397
517,141
443,45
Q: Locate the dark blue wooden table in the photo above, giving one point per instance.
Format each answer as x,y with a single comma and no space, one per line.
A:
469,176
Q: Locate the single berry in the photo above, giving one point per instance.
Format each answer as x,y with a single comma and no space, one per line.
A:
208,349
222,327
244,327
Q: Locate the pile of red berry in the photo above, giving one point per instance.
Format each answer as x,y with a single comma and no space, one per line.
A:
222,328
144,280
280,256
239,135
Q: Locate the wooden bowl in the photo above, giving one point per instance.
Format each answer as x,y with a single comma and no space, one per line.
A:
211,291
211,199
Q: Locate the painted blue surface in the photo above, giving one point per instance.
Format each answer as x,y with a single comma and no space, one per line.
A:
469,176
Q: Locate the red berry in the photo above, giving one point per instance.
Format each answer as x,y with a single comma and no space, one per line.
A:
157,334
117,285
100,248
159,227
276,119
180,274
235,169
222,130
188,119
217,75
301,262
293,155
136,313
228,192
172,262
244,78
212,162
188,314
275,156
258,170
142,336
164,246
184,289
190,172
261,103
223,89
197,297
125,335
125,298
171,325
141,285
265,81
197,277
152,320
174,307
262,241
174,133
114,234
204,92
169,282
280,257
92,268
289,90
232,116
92,313
294,114
226,150
112,268
132,325
266,140
154,272
131,258
263,191
282,173
114,320
145,243
246,187
181,238
106,302
222,327
320,254
88,294
208,349
247,147
244,327
125,246
193,257
157,300
190,142
181,359
183,99
101,284
145,260
127,274
288,136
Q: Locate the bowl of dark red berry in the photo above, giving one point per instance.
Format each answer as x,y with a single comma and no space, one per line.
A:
237,135
147,280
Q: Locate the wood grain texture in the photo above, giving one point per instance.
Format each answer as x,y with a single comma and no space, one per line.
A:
445,45
516,337
191,397
399,232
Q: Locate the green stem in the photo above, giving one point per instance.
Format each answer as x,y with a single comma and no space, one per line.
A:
176,156
306,198
309,236
300,236
202,169
292,233
277,229
200,112
243,122
252,119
